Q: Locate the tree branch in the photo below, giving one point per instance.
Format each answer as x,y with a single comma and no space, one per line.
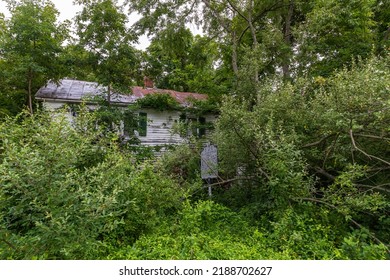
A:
243,33
372,136
189,11
323,172
237,10
379,169
215,14
319,141
363,152
8,243
250,150
387,35
352,220
229,181
330,150
379,187
273,7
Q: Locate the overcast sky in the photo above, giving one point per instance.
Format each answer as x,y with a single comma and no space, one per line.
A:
65,7
67,11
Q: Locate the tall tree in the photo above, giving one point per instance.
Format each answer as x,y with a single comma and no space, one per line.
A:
31,45
178,60
249,30
382,18
102,31
333,32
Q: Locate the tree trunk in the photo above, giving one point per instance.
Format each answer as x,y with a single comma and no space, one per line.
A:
30,102
254,37
234,53
229,30
287,38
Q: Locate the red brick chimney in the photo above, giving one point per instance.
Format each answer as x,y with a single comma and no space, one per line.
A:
148,82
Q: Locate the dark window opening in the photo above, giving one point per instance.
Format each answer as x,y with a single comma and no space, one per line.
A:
194,126
129,123
142,124
202,127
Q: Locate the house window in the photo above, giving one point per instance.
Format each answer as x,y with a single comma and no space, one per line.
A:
142,124
202,126
194,126
130,123
182,118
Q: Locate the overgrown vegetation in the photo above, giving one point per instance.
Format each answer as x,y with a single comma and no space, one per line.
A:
69,192
312,185
302,91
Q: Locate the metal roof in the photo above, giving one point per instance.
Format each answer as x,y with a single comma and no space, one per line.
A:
75,91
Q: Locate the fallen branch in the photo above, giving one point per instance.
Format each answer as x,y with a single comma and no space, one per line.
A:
352,220
323,172
363,152
379,187
372,136
319,141
229,181
378,169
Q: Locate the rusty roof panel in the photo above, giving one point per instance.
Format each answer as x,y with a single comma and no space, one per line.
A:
76,91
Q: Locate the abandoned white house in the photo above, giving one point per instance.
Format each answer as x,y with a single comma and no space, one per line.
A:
155,126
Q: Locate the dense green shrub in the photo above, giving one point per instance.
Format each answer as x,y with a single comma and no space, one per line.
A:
320,140
305,173
67,192
182,162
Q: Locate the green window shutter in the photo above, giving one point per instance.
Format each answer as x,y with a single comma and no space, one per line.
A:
142,124
183,125
202,127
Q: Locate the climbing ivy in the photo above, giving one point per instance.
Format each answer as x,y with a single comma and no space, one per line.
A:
165,102
160,102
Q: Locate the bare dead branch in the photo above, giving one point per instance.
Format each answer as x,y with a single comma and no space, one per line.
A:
363,152
372,136
379,169
229,181
318,142
323,172
379,187
330,150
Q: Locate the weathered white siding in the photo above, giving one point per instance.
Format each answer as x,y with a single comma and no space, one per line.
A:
159,130
160,127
